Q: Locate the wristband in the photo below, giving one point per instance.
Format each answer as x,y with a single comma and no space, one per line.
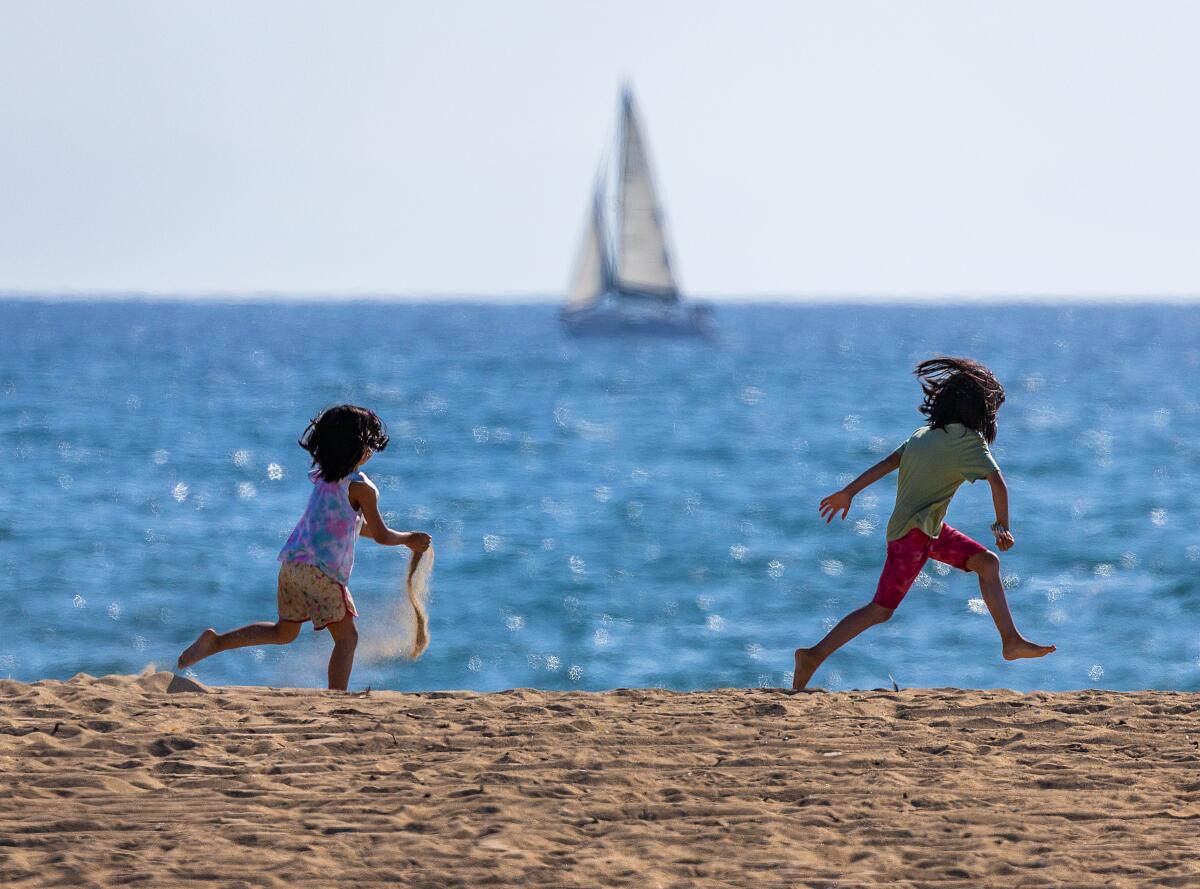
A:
998,529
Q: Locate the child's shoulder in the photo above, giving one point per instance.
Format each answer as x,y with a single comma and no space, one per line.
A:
953,431
920,433
953,436
359,477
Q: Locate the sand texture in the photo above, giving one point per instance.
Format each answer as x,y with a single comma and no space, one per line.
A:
122,782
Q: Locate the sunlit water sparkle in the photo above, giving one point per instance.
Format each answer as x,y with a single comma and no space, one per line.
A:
606,513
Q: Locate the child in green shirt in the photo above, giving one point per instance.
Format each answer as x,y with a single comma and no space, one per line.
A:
961,401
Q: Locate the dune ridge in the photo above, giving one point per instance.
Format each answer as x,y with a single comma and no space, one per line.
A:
156,781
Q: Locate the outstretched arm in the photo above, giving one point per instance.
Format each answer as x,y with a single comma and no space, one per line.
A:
840,501
1004,538
364,496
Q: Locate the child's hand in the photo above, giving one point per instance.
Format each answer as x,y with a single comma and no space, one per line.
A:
418,541
834,502
1004,541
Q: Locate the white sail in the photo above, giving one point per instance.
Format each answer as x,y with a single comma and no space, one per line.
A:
591,273
643,264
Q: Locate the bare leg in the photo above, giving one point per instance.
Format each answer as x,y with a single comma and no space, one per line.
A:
263,633
1015,646
808,659
341,661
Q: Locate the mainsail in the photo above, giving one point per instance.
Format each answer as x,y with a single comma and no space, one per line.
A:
592,265
642,263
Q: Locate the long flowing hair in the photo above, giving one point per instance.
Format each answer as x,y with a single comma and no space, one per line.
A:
960,390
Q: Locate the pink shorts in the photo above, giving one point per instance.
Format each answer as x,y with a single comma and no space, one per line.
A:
908,555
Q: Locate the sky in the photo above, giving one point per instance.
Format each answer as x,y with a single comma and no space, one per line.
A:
803,150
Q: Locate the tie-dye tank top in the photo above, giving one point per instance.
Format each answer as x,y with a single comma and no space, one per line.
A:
326,533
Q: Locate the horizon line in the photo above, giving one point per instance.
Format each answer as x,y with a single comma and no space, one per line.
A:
534,298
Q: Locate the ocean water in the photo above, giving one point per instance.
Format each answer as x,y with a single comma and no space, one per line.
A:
605,513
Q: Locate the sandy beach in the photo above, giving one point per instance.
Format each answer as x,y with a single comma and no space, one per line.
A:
128,780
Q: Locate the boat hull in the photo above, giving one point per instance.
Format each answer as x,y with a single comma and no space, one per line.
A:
617,320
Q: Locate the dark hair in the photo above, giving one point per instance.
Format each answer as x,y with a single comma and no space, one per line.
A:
339,437
959,390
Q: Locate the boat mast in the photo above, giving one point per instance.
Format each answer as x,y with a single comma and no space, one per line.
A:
607,275
618,225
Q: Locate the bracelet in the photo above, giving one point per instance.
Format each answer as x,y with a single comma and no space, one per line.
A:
998,529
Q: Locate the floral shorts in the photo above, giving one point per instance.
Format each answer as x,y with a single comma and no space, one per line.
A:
307,593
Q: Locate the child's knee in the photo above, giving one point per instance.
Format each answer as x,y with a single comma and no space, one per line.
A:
344,632
286,631
879,614
985,564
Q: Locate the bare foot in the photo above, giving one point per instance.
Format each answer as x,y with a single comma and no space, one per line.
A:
204,645
1015,649
806,665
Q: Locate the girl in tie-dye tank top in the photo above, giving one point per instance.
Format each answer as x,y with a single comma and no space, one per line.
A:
319,554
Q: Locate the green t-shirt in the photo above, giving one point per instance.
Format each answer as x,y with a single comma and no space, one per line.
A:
933,463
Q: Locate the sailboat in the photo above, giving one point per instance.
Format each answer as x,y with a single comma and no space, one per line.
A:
623,281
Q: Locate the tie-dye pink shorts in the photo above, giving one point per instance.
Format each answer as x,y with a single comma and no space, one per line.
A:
908,555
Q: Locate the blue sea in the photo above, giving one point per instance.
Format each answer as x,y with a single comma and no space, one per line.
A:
606,513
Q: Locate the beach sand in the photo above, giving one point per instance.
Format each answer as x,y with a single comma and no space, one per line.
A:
121,781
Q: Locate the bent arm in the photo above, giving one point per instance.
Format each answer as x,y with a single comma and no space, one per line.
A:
999,497
1004,537
364,496
840,502
887,465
